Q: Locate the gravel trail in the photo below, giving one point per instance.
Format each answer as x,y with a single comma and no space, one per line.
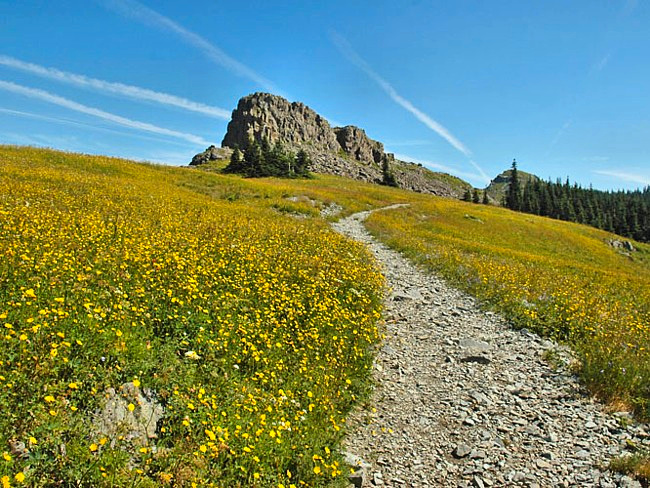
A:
464,400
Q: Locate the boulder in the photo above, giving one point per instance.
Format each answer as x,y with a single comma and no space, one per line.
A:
131,413
212,153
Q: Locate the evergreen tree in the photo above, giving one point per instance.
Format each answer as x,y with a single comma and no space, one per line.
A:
253,160
626,213
265,146
278,161
527,200
545,204
236,161
266,164
302,164
486,201
388,178
467,197
513,195
475,196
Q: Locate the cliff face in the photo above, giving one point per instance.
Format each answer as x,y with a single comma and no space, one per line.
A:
263,115
344,151
357,144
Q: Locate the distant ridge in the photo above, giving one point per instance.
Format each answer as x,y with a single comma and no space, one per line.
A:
498,187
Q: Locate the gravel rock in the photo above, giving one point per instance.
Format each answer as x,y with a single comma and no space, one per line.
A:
462,450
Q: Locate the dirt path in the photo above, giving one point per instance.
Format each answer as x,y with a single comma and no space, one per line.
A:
464,400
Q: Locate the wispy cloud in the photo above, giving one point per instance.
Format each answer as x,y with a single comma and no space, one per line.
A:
558,135
39,140
75,144
134,92
641,179
333,123
346,49
77,123
95,112
439,167
600,65
146,15
31,115
415,142
484,176
596,159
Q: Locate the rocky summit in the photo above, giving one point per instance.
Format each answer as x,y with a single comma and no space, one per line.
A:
344,151
264,115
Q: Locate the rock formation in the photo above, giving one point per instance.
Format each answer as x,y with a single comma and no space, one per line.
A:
344,151
212,153
357,144
294,124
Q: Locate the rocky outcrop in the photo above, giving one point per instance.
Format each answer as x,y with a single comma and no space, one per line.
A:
622,245
212,153
415,177
498,187
264,115
343,151
357,144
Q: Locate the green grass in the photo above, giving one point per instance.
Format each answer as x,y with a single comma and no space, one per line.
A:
636,465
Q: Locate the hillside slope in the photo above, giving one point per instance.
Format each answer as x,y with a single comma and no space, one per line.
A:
156,335
229,307
559,279
460,389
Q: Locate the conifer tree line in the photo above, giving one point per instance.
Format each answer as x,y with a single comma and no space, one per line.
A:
474,197
265,159
626,213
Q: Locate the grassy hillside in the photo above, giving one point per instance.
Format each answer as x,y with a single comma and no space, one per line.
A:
252,328
560,279
247,319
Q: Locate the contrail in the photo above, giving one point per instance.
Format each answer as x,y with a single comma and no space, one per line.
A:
142,13
480,170
344,46
59,120
626,176
438,166
130,91
95,112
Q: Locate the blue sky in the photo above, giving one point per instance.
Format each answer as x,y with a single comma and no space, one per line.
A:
463,87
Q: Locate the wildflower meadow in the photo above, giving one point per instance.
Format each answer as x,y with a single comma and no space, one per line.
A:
231,304
252,329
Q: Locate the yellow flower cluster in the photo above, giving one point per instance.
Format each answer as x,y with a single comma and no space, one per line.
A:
253,330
